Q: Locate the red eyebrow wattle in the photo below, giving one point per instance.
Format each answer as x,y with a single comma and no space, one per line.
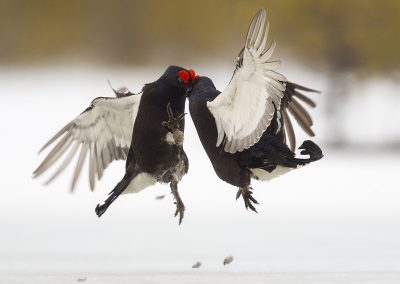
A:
192,73
184,76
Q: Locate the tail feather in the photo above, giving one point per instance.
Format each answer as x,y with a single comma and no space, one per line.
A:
289,130
117,191
273,170
292,103
301,118
308,148
290,161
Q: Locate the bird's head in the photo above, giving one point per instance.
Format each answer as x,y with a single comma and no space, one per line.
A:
180,78
202,85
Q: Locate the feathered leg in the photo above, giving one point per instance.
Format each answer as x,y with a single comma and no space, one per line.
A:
180,207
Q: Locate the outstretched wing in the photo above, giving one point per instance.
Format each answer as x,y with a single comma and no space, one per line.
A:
244,110
103,132
291,102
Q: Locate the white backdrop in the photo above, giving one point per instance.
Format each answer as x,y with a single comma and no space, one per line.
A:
339,214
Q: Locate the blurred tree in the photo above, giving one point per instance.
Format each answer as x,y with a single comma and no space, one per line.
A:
358,35
340,37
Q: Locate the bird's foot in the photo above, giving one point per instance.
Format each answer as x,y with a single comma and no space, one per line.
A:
248,198
180,207
180,210
173,122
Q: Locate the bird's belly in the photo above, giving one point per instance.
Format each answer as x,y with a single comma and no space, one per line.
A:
140,182
264,175
176,171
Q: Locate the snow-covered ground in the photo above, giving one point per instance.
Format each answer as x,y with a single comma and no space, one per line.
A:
201,277
335,221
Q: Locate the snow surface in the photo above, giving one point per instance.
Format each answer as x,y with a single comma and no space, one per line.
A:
207,277
335,221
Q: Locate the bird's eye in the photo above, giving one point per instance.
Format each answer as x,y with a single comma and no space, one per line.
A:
184,76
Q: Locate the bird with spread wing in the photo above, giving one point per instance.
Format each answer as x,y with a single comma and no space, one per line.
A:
244,129
145,129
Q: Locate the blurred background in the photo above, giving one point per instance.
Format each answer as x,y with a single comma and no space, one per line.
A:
353,47
340,214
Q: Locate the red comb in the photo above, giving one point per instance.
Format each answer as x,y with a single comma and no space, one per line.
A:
193,74
184,76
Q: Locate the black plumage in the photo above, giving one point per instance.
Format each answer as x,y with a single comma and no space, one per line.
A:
244,128
145,129
156,153
266,155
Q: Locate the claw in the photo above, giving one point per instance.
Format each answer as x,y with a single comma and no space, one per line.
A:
180,210
238,194
173,123
169,110
253,199
248,199
251,206
182,116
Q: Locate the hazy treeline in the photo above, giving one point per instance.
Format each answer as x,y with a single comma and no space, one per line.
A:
360,34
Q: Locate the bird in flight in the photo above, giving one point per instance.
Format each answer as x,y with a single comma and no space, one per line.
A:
145,129
244,128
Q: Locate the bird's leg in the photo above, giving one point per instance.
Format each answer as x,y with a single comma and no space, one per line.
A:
180,207
173,125
249,200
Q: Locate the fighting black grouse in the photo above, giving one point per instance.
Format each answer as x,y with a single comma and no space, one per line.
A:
146,129
244,128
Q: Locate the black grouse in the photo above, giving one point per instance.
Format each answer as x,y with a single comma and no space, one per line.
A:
244,128
145,129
